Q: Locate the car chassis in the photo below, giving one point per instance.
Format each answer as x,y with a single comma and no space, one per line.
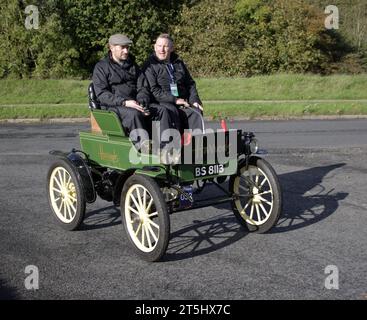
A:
148,194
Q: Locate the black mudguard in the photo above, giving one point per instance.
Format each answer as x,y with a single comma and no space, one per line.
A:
83,170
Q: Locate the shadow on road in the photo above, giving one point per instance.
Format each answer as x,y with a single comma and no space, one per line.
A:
203,237
305,202
101,218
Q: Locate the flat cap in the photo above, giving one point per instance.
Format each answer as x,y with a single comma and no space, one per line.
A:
119,39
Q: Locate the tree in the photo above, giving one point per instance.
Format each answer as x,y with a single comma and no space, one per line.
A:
248,37
350,49
73,35
44,52
91,22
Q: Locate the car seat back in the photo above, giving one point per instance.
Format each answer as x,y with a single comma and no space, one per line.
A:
93,101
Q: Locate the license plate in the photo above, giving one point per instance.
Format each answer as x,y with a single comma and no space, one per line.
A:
186,200
209,170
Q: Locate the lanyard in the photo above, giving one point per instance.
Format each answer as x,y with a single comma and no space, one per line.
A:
171,71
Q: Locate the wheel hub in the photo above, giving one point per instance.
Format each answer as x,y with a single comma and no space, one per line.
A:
142,217
68,191
64,193
256,197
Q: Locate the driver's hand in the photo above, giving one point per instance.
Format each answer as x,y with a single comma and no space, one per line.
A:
182,102
134,105
197,105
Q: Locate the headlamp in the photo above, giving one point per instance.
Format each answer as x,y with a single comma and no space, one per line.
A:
254,147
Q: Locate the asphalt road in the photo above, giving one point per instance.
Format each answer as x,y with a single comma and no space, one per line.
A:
322,167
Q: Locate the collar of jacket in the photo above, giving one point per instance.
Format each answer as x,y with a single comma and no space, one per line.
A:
125,64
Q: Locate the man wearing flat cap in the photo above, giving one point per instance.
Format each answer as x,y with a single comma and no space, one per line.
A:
119,84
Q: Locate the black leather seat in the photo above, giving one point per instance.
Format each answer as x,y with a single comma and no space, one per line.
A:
93,101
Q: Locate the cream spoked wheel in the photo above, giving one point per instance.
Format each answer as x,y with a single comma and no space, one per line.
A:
257,203
65,196
145,217
140,213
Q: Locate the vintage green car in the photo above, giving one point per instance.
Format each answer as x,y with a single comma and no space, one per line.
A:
149,191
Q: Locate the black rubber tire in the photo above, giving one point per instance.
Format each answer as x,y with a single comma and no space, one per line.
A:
162,219
275,195
80,198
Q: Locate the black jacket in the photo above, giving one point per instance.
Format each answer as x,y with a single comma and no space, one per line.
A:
115,83
158,78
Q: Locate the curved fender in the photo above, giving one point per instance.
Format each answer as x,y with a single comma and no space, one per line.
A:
247,160
83,170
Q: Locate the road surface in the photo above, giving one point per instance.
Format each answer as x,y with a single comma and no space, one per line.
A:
320,238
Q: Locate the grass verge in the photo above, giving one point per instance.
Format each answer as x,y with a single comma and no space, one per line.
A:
45,99
43,112
284,110
274,87
284,87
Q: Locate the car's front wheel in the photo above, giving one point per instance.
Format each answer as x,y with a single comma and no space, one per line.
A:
145,217
65,195
258,199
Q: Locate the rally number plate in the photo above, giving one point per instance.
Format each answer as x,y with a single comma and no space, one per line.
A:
209,170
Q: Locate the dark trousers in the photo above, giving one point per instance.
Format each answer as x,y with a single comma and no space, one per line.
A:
168,115
191,118
132,119
171,116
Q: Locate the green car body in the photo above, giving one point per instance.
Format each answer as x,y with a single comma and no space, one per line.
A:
111,148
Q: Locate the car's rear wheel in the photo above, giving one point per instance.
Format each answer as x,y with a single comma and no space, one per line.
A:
258,201
65,195
145,217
